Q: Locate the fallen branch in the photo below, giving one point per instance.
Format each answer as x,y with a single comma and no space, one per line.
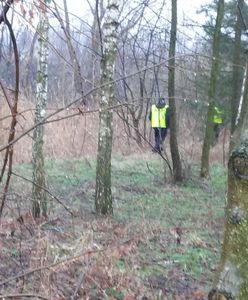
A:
62,262
47,191
34,296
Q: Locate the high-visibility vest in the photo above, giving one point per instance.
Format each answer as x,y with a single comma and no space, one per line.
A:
217,119
158,116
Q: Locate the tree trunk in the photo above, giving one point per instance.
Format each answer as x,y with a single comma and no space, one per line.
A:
236,72
176,160
38,193
232,277
103,194
212,91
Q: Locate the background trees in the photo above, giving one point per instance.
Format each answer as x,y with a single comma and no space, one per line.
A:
212,91
88,116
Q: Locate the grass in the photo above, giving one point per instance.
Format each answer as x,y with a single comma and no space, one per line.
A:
142,200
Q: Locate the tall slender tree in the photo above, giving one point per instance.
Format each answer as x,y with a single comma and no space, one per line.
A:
38,192
103,193
212,91
77,72
231,280
13,105
176,161
236,72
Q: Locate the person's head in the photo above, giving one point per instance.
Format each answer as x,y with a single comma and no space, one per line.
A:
161,102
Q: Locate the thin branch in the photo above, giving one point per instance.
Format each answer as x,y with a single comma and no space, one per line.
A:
63,262
9,149
45,120
34,296
46,190
6,96
5,10
75,101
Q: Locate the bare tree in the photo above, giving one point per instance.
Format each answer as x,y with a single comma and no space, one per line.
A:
176,161
103,193
212,91
13,105
78,78
38,192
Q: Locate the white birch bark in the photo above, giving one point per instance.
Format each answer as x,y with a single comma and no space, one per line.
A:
103,194
38,193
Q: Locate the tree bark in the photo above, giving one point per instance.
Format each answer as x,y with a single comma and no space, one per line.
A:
38,192
232,276
231,280
176,160
236,72
103,193
212,91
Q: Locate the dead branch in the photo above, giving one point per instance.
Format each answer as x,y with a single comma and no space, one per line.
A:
9,150
34,296
5,10
47,191
64,261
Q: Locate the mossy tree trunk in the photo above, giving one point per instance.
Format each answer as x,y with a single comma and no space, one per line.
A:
231,280
103,193
38,192
232,277
176,160
212,91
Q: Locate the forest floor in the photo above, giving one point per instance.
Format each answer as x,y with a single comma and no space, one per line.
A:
163,241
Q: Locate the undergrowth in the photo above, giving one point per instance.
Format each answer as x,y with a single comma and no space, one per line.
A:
163,240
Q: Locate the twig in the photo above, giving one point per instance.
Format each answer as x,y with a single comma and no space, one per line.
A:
149,169
80,281
142,136
6,96
47,191
62,262
5,10
45,120
34,296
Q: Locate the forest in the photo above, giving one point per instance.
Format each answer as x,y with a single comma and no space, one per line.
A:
124,149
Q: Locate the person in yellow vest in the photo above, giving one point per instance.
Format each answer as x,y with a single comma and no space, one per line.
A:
159,118
217,120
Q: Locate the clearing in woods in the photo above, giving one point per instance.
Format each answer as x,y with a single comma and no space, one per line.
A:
163,241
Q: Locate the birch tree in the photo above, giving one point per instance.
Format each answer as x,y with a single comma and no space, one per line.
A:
212,91
177,166
236,74
103,193
39,183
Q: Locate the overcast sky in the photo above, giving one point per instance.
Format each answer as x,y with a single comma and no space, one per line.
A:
188,7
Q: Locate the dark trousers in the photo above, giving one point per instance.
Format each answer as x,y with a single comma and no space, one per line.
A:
160,135
217,129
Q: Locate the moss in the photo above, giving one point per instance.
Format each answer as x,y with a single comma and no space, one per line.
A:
232,276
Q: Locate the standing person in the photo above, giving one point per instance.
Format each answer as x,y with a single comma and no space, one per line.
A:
159,118
217,120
